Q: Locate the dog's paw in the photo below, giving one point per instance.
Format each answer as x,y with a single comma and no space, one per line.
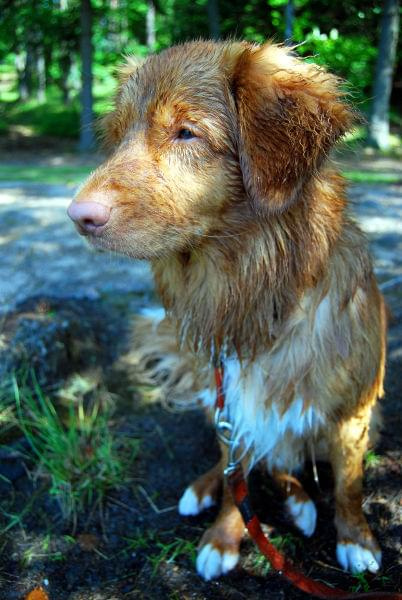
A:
303,513
356,559
190,504
213,562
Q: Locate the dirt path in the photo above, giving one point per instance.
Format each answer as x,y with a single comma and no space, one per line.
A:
42,254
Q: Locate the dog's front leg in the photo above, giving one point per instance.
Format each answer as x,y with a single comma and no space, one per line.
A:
218,551
203,492
357,549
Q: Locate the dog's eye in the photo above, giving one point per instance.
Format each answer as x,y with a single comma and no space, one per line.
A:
185,134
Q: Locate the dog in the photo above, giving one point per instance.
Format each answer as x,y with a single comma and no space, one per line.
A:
219,176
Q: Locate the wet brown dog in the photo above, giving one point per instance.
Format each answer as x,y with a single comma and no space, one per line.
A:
219,176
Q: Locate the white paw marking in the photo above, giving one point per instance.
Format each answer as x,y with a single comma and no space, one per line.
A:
211,562
355,558
304,514
190,504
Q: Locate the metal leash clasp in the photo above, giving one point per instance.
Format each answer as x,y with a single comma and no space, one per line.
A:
224,428
224,431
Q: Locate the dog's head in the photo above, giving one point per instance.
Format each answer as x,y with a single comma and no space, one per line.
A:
203,129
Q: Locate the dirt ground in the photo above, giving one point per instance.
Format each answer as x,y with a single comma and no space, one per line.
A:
138,546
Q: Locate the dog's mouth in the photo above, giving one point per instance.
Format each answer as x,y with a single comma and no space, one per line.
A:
125,244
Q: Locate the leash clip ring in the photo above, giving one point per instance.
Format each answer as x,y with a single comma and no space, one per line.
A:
224,430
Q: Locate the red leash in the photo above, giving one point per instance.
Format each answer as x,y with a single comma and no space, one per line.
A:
238,486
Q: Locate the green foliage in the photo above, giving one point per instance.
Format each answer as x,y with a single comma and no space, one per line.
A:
341,35
350,57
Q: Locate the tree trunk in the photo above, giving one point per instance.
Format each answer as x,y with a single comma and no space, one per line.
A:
41,73
213,19
65,68
150,25
289,19
20,60
378,129
25,79
86,134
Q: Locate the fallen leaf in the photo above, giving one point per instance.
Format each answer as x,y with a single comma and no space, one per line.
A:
37,594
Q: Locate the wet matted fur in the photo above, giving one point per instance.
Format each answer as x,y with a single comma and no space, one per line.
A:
219,177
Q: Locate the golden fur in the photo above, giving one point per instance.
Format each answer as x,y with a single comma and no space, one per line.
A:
247,230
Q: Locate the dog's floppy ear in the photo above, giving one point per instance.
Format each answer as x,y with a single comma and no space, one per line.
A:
290,113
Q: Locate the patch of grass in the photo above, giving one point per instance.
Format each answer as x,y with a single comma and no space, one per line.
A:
67,175
371,459
169,552
159,552
140,542
50,118
41,549
383,579
53,117
361,585
285,543
16,519
357,176
260,565
83,459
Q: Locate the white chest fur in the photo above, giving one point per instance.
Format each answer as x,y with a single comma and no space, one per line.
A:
260,422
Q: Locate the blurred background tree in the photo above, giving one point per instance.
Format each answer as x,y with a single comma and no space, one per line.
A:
378,131
56,54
